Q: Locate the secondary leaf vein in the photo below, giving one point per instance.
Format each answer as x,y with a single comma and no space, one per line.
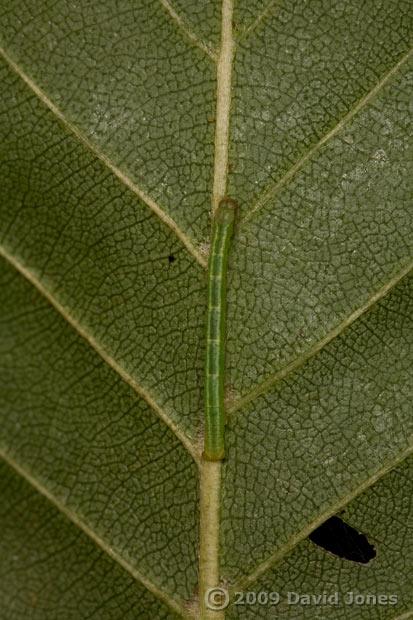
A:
306,355
157,209
277,186
74,518
183,25
259,18
140,390
332,510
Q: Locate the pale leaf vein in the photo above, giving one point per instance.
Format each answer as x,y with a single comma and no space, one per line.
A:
155,207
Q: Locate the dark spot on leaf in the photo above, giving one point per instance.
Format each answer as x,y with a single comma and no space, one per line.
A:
171,258
336,536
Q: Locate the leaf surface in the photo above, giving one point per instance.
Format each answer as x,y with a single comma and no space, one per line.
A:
121,126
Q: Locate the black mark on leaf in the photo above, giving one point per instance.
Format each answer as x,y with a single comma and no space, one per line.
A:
336,536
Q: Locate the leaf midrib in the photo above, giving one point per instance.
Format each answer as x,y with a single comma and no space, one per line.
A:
269,193
199,255
225,58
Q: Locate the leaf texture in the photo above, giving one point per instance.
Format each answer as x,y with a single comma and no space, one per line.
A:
122,125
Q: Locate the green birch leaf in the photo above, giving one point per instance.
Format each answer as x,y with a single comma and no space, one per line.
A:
122,125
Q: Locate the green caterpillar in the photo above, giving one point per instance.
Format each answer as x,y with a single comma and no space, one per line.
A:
223,226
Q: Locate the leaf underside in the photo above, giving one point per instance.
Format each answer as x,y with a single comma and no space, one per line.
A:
107,121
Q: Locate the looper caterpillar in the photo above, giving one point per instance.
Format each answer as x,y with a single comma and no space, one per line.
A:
223,225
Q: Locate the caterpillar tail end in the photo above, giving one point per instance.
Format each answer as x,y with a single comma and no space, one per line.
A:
213,455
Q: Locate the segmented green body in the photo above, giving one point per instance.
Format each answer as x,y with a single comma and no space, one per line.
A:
215,333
